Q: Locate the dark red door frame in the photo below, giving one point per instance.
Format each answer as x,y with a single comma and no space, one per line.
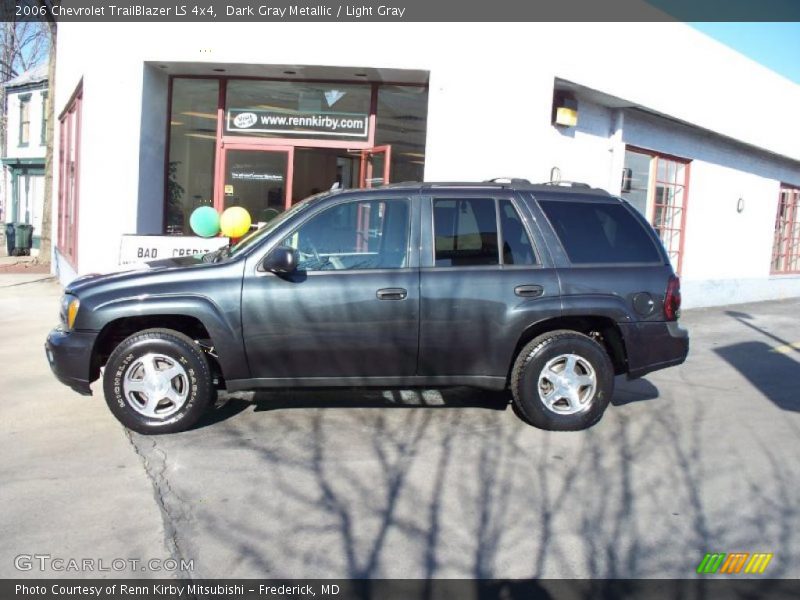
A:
219,174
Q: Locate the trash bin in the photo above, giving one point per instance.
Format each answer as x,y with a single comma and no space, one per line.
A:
10,239
23,239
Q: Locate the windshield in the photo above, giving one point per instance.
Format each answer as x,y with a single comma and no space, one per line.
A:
255,236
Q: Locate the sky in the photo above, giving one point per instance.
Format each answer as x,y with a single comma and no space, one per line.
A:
774,45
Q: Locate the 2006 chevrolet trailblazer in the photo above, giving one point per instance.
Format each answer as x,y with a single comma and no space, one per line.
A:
547,290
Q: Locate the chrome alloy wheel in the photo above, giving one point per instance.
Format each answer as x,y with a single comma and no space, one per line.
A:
156,386
567,384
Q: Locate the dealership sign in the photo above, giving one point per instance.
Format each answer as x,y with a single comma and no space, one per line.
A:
142,248
319,123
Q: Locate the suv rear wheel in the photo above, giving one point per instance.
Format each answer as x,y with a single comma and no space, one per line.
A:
158,381
562,380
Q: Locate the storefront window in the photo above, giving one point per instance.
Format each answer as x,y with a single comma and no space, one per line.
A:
401,123
192,145
786,244
301,110
636,180
318,135
656,186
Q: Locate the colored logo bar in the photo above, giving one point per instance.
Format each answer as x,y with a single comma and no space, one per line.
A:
735,563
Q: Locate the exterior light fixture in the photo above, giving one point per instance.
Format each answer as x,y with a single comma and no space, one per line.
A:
740,204
565,109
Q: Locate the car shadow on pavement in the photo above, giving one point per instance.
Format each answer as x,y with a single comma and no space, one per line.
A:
230,405
770,371
627,391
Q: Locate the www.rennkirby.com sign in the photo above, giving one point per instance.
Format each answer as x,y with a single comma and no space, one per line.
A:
320,123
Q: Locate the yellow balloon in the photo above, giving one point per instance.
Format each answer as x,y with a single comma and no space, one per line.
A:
234,222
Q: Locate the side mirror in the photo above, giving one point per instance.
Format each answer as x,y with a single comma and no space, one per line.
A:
281,260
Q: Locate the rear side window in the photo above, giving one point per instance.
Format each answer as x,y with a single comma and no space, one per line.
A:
517,247
594,232
465,231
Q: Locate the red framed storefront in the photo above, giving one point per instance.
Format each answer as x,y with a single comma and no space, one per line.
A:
667,199
69,177
786,241
374,160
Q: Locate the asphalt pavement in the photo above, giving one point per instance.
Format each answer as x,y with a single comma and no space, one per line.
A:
408,483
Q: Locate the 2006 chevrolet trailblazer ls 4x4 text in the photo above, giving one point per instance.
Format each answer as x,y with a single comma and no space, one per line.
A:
547,290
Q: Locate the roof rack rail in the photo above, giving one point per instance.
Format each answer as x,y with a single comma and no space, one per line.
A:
507,180
573,184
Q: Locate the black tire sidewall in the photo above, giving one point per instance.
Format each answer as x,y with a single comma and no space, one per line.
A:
197,371
536,359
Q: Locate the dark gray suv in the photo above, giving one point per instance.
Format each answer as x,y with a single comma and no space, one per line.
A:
549,291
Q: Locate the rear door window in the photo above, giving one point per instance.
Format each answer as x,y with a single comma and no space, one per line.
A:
465,232
600,232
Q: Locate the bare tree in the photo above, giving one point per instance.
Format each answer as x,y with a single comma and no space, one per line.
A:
47,205
24,45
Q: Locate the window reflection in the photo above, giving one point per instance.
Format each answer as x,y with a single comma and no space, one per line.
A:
401,122
192,146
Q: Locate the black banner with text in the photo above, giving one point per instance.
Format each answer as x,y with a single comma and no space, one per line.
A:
400,10
400,589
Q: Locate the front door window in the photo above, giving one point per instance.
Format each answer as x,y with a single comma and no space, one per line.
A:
354,236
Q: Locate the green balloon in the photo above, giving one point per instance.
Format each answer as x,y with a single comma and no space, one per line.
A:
204,221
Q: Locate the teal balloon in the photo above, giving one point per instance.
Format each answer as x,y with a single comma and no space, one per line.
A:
205,221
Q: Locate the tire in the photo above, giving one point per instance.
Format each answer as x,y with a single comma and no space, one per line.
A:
562,381
140,391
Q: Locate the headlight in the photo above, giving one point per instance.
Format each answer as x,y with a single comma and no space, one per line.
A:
69,310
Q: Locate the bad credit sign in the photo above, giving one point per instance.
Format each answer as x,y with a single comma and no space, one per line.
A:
143,248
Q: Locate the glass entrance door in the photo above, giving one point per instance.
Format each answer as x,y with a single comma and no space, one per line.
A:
256,178
375,166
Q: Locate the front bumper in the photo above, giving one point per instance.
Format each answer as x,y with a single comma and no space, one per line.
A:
654,345
70,356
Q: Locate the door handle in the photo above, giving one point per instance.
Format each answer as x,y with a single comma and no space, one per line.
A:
392,294
529,291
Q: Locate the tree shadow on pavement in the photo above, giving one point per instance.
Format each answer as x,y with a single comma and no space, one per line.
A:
746,318
478,494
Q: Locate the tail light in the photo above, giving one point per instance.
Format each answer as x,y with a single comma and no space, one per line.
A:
672,299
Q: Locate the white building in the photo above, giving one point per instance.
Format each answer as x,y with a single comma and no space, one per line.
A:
701,139
23,162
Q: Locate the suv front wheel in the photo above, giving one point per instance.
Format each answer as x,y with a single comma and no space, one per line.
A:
562,380
158,381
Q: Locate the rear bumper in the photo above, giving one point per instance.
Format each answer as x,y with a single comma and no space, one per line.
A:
70,356
654,346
